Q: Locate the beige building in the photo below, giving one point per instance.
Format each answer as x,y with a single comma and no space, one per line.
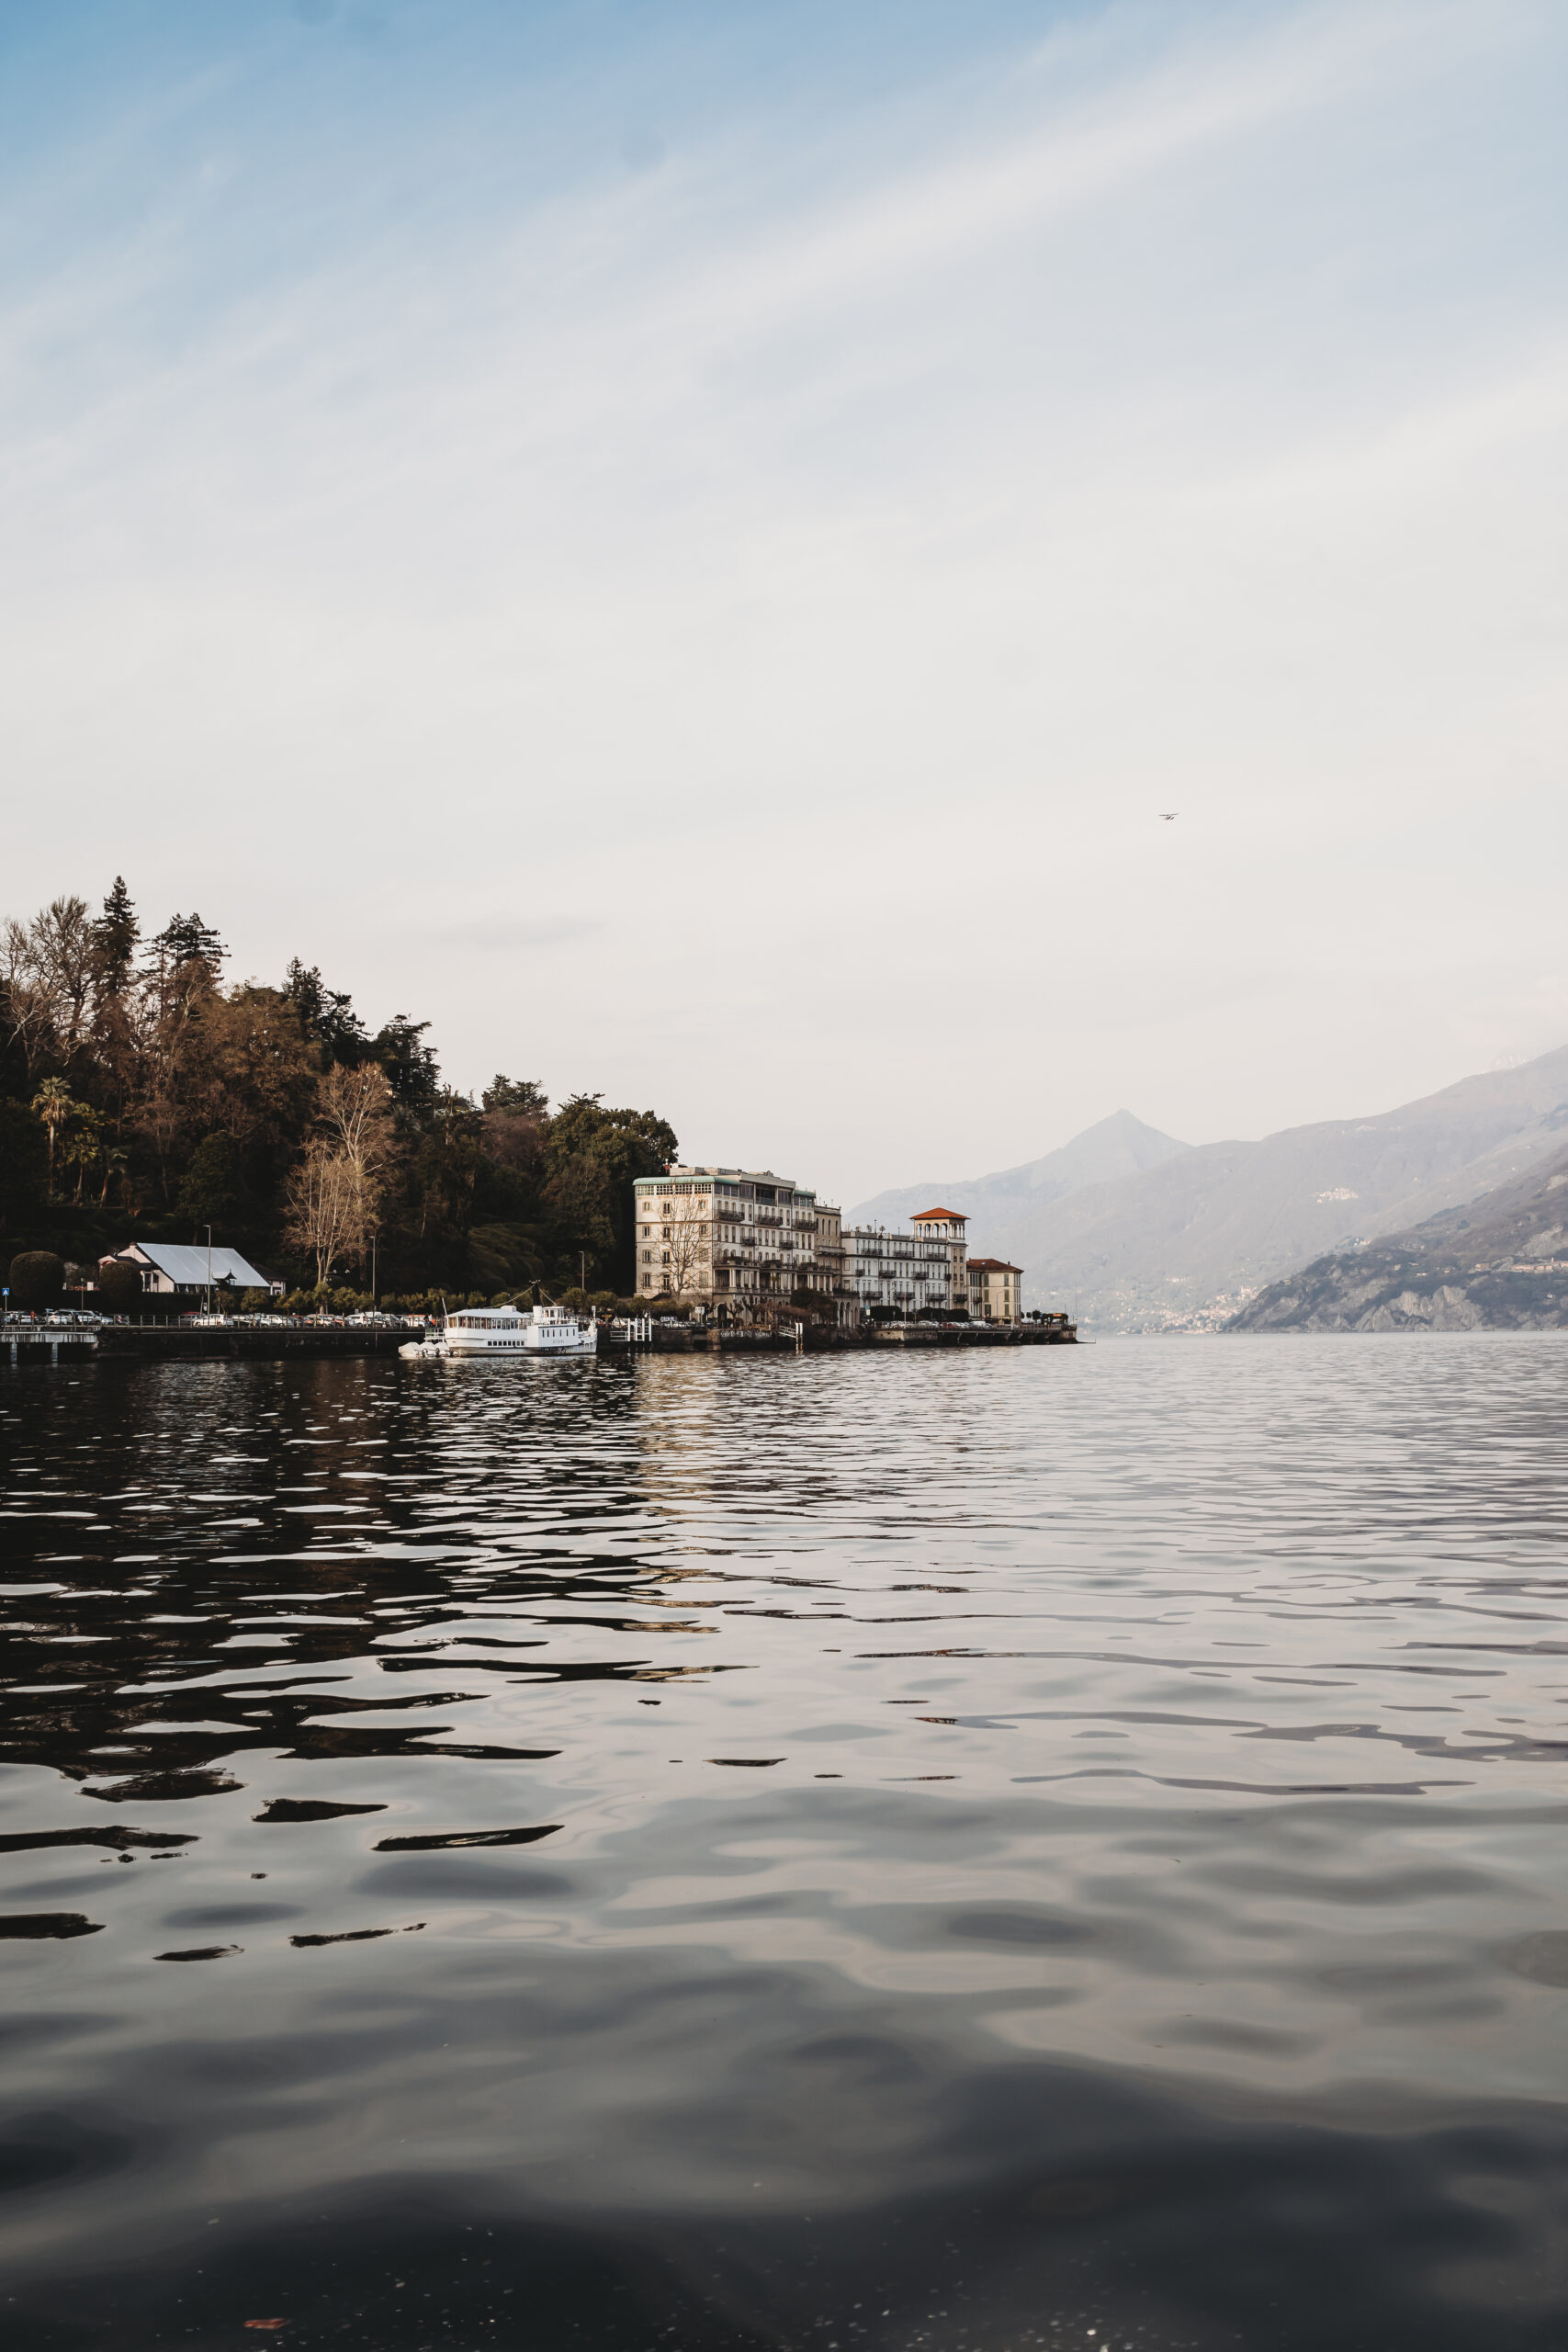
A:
909,1272
830,1251
740,1238
996,1290
948,1227
732,1235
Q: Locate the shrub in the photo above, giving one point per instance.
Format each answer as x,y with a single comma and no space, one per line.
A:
119,1288
38,1279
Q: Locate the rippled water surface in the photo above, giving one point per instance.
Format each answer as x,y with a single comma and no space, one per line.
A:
1066,1847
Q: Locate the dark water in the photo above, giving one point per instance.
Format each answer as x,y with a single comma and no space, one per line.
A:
1060,1848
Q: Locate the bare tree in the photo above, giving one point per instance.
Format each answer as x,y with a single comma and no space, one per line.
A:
334,1196
28,1007
64,953
684,1254
316,1201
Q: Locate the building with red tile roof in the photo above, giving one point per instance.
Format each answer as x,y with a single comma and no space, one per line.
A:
996,1290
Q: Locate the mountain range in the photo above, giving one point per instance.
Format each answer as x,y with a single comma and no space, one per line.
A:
1497,1264
1138,1232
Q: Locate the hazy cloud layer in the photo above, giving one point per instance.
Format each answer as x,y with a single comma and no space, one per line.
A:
695,554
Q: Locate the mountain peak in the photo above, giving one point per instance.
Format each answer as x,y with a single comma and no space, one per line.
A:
1119,1145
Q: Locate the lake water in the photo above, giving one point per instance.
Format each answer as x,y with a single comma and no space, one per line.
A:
1061,1847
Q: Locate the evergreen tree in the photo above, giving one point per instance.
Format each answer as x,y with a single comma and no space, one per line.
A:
328,1016
412,1073
186,939
505,1093
212,1190
302,987
592,1156
115,936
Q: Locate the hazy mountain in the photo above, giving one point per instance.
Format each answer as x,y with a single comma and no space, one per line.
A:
1183,1241
1119,1146
1499,1263
1182,1246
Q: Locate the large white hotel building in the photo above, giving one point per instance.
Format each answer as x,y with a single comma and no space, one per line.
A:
740,1236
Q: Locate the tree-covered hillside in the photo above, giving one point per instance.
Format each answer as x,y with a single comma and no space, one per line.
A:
144,1097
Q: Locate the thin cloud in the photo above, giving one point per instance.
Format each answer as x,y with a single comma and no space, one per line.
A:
748,555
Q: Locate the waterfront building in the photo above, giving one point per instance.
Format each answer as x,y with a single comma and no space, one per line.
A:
830,1251
996,1290
948,1227
171,1270
739,1235
910,1271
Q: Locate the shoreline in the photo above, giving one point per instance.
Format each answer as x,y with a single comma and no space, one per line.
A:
162,1343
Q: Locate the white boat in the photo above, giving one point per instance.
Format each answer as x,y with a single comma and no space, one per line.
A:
509,1331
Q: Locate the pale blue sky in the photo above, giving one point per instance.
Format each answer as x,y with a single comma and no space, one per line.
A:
691,545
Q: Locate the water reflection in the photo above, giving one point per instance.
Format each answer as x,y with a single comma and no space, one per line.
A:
791,1852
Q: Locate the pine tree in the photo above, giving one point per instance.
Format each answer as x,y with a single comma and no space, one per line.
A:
505,1093
186,939
115,936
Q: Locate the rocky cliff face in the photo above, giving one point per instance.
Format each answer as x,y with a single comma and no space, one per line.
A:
1499,1263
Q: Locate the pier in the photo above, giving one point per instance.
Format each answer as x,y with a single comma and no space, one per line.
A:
23,1344
812,1339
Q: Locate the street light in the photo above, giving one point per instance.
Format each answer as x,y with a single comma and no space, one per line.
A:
209,1269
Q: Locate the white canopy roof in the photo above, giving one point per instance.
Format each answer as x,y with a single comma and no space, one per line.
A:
187,1268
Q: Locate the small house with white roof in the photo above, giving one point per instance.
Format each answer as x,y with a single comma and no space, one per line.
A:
172,1270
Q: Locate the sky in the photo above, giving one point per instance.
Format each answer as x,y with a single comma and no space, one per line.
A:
691,545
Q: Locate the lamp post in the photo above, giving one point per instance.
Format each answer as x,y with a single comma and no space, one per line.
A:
209,1269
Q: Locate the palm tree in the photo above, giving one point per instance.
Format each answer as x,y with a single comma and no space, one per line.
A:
53,1104
115,1162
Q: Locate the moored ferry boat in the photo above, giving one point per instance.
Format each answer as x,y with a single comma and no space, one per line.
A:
510,1331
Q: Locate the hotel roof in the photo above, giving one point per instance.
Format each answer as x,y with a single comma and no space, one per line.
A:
951,1217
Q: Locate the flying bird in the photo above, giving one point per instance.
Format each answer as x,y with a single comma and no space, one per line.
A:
1170,815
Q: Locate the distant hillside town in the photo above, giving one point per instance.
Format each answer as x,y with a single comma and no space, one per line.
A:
730,1239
